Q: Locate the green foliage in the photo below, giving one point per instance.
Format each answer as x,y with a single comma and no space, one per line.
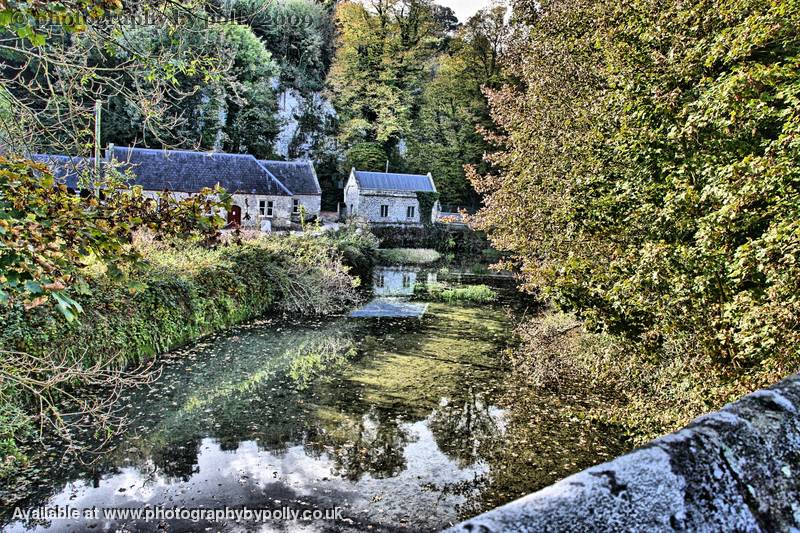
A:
366,156
373,47
427,201
650,174
184,291
232,108
298,34
445,293
48,234
358,246
444,238
250,123
445,133
22,18
409,256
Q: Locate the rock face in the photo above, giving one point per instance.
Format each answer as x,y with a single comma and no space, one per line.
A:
734,470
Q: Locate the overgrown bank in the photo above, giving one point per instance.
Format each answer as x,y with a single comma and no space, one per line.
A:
646,396
179,293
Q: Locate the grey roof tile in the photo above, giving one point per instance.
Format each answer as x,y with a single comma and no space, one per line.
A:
298,176
395,182
186,171
66,169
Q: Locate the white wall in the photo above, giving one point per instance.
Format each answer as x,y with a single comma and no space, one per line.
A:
311,203
370,208
351,196
282,207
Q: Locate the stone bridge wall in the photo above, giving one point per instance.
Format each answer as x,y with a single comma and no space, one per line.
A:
734,470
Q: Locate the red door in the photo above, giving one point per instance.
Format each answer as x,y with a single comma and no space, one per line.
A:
235,216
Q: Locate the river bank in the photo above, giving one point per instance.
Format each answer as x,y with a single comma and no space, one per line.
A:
648,394
407,424
179,293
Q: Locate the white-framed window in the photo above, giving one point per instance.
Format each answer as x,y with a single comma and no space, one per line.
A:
296,206
406,281
384,211
380,281
265,208
411,212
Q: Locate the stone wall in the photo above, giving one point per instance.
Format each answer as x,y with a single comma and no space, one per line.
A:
369,207
351,196
312,204
282,208
734,470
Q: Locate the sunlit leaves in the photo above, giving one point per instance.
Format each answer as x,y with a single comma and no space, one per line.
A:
650,171
50,234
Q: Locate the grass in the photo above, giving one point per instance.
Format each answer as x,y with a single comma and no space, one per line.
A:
409,256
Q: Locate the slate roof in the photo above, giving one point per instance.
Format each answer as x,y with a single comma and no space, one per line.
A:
298,176
395,182
185,171
66,169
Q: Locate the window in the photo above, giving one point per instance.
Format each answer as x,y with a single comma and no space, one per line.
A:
265,208
384,211
411,212
406,281
296,208
380,281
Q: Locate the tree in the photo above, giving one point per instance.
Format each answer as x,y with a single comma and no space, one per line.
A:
383,50
298,34
454,109
54,73
366,156
647,175
250,125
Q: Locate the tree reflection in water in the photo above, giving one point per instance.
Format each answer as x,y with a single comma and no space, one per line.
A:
395,420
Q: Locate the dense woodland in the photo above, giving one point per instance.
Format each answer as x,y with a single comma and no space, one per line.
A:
638,161
381,81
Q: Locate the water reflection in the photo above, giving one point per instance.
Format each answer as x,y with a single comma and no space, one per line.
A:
397,281
393,287
399,422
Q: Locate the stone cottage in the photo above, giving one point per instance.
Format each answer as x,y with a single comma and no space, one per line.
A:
386,198
260,200
300,178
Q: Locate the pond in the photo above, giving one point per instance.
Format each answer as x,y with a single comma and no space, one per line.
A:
406,422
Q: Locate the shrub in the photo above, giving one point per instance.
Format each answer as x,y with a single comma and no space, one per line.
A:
409,256
445,239
358,246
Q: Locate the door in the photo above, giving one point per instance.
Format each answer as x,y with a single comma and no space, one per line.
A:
235,216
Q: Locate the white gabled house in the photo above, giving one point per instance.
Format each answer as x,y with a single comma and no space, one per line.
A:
388,198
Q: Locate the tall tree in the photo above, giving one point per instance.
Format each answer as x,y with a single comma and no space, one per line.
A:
384,49
648,174
298,34
446,133
233,111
